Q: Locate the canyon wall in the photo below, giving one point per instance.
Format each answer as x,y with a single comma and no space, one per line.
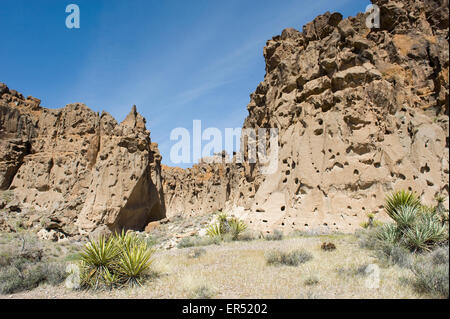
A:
76,169
361,112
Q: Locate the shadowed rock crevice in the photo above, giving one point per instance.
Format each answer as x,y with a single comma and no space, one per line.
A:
142,207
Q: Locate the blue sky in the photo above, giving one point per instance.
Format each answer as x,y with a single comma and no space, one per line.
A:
176,60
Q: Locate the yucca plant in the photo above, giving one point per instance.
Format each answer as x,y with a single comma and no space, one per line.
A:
122,259
427,232
400,199
134,262
405,216
97,258
236,227
388,233
111,279
214,230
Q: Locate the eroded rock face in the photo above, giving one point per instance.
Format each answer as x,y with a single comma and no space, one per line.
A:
78,169
360,113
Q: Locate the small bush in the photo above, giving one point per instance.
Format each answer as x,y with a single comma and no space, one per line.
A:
431,274
122,259
23,266
293,258
28,276
226,228
276,235
440,256
388,233
397,200
237,227
396,255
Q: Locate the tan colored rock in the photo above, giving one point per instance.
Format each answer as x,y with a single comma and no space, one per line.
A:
361,113
151,226
82,168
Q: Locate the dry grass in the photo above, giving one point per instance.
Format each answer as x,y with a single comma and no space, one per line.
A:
239,270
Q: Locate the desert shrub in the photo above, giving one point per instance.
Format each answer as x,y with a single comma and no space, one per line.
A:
276,235
293,258
400,199
395,254
431,273
226,228
122,259
23,265
25,275
417,227
352,270
440,256
237,227
425,233
388,233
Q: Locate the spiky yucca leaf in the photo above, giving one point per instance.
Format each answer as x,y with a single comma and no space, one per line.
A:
425,233
388,233
134,262
97,258
405,216
399,199
237,227
214,230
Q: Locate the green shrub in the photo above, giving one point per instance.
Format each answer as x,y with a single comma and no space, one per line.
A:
388,233
26,276
293,258
226,228
417,227
399,199
425,233
237,227
122,259
215,230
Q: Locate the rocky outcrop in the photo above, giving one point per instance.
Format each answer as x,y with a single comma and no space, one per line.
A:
78,170
360,112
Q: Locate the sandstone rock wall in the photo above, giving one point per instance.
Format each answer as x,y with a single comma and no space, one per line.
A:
361,112
80,170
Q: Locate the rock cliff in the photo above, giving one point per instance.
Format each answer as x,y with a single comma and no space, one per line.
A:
360,112
77,171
